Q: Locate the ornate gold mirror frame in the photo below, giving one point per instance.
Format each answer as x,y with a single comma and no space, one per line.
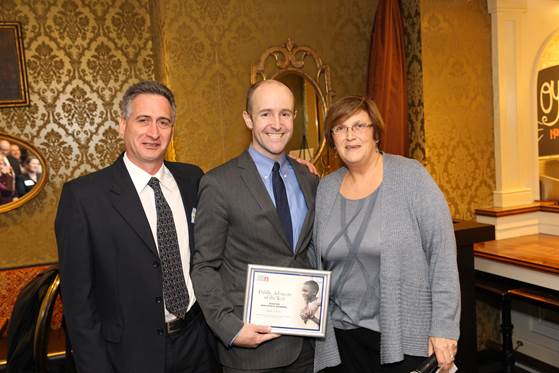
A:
41,181
302,69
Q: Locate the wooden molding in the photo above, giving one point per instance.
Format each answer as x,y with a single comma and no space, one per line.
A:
498,212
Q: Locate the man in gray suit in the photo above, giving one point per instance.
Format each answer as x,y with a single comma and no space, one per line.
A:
255,209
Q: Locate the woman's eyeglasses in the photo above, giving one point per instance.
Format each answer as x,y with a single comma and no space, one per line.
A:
356,129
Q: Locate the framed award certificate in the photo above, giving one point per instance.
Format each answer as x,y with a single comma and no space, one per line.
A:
292,301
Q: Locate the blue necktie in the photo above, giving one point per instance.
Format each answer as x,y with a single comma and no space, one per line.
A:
175,293
282,204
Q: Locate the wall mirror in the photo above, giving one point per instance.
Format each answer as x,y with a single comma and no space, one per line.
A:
302,70
23,172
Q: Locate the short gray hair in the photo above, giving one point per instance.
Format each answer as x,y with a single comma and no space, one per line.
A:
147,87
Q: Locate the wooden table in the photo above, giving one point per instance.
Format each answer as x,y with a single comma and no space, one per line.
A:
533,259
526,268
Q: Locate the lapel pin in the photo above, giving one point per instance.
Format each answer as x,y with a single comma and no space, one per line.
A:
193,215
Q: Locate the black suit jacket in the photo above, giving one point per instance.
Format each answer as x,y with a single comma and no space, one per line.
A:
110,270
237,224
24,184
16,165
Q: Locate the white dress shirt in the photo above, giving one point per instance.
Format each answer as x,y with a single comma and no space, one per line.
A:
172,194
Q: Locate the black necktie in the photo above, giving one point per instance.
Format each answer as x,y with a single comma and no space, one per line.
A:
175,292
282,204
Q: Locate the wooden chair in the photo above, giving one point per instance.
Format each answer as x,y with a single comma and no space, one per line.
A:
28,337
42,327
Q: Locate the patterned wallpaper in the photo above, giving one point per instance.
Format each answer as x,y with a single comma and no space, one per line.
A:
81,55
458,101
208,47
458,115
414,79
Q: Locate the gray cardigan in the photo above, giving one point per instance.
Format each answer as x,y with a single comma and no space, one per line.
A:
419,288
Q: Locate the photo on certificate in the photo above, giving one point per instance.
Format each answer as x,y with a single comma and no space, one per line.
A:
292,301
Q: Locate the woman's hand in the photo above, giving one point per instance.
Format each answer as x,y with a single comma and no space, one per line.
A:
445,350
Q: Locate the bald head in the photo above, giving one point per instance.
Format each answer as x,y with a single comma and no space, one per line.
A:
4,147
269,116
252,91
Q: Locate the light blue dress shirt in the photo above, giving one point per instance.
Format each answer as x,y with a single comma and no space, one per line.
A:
297,204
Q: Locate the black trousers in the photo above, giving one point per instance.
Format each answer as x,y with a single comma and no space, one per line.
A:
192,349
303,363
360,353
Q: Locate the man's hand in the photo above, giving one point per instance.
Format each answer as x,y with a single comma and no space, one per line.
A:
251,335
445,350
309,165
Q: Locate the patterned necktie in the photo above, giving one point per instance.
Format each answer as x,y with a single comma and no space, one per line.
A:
175,292
282,204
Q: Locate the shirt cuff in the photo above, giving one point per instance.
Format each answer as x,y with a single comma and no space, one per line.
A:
233,340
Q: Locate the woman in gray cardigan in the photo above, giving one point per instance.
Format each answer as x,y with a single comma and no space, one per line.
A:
383,228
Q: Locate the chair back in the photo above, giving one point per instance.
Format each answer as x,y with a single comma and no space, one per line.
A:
24,318
42,327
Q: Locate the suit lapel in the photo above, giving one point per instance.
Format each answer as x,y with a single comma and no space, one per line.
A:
309,199
254,183
126,201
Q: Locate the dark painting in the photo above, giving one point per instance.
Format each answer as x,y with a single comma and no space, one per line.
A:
13,77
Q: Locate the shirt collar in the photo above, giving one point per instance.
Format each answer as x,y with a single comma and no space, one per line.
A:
140,178
264,164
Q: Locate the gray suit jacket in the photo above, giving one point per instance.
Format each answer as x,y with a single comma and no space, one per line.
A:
237,224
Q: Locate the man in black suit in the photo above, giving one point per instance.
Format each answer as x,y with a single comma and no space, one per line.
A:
257,208
124,238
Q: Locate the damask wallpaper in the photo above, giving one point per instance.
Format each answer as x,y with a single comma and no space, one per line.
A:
458,115
208,47
81,55
458,101
411,13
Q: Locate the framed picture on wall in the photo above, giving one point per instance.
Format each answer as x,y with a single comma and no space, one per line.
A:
13,75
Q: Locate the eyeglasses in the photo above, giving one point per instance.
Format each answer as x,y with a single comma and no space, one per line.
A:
356,128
